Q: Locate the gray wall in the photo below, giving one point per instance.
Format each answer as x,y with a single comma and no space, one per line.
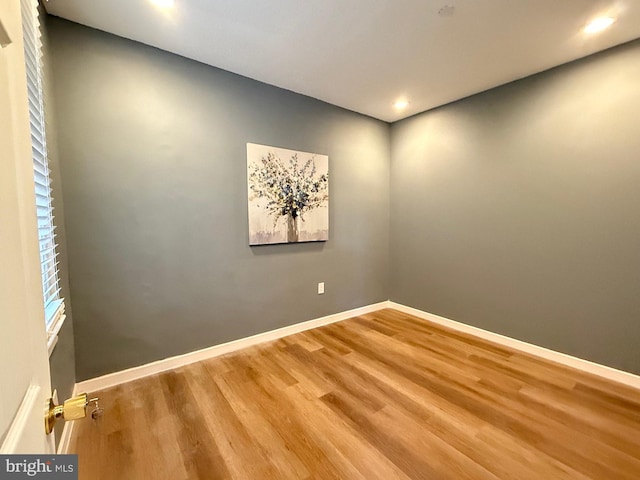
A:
153,153
62,359
517,210
514,210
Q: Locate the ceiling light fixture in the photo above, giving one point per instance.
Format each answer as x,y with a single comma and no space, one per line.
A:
400,104
599,24
163,3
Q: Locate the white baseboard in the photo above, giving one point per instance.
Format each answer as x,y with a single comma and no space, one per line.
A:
67,431
117,378
609,373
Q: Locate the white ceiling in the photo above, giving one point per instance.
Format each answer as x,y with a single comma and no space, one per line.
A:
364,54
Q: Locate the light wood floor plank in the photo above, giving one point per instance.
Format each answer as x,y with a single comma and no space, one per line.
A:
381,396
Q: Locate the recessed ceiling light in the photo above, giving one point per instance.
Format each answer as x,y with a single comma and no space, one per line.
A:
163,3
400,104
599,24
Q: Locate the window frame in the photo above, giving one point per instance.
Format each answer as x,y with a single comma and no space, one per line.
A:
54,307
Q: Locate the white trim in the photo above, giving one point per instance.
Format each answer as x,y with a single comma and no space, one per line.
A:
609,373
18,425
52,341
117,378
67,431
57,317
52,335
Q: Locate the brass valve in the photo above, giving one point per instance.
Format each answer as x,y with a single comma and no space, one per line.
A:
72,409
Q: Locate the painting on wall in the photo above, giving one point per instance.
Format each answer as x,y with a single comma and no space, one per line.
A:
288,195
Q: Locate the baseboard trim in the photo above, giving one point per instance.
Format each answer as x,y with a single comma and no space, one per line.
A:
135,373
619,376
67,431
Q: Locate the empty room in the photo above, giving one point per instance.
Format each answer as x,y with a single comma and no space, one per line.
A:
320,240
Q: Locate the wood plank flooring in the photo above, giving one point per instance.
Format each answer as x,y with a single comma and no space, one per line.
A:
380,396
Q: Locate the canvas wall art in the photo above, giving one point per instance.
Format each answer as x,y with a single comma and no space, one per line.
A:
288,195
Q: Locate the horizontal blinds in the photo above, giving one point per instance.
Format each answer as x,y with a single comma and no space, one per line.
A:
53,304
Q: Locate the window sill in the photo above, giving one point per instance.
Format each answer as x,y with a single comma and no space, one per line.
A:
52,334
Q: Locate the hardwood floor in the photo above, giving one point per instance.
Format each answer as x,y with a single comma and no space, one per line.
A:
381,396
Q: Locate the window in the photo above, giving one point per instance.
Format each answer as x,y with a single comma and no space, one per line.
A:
53,304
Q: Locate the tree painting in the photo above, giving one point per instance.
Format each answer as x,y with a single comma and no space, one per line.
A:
288,195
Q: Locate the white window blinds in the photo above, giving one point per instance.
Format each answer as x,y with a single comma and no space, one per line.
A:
53,304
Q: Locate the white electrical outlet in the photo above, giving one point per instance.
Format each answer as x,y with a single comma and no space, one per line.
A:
320,288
